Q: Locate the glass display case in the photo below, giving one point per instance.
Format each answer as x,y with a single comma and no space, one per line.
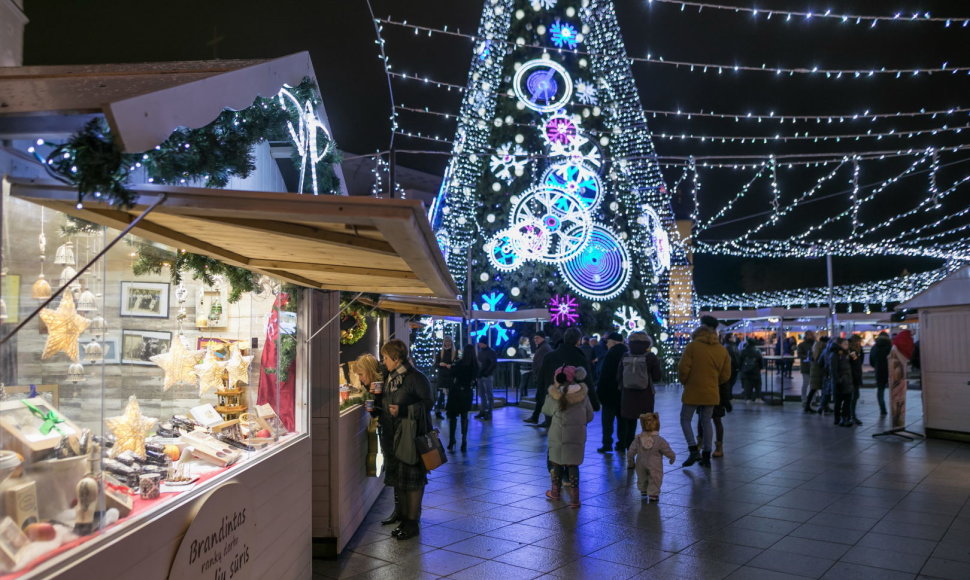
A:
127,390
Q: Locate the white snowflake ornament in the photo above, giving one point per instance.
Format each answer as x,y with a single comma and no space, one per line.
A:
586,93
508,161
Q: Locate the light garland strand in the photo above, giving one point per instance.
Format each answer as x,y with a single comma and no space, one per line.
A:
704,67
818,119
704,224
915,16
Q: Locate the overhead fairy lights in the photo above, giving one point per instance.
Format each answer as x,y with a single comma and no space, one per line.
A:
808,137
818,119
845,17
719,68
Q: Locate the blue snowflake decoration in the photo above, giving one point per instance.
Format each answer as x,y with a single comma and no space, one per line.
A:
497,332
576,179
563,35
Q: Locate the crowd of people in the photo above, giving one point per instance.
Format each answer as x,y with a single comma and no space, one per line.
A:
575,377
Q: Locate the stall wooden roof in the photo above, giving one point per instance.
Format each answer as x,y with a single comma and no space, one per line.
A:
428,306
326,242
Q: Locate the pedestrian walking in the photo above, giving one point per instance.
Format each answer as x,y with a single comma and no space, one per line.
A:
443,361
638,373
465,370
570,410
704,366
487,361
752,361
608,390
879,360
538,357
646,455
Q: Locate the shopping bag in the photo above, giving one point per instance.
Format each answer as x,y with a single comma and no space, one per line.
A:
431,450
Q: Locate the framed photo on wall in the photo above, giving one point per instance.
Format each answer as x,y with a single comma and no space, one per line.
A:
144,299
139,346
109,347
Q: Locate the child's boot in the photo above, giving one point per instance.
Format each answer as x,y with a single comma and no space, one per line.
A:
694,456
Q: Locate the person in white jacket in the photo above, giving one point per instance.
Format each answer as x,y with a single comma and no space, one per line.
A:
646,454
569,406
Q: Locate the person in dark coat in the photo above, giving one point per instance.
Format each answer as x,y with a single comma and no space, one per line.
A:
856,356
608,390
538,356
751,364
879,359
568,354
600,349
460,396
443,361
407,395
840,371
804,353
635,402
487,362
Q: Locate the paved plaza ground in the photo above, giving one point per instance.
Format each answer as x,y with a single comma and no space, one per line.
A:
793,497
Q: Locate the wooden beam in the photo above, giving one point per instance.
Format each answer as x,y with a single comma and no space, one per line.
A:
299,231
317,267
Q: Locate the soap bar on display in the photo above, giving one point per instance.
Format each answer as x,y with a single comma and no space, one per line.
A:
20,502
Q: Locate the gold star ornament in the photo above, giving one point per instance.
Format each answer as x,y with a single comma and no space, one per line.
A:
210,372
130,429
178,363
64,327
238,366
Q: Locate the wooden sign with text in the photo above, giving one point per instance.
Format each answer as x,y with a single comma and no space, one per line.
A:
220,539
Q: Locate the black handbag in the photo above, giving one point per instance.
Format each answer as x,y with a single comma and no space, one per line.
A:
430,449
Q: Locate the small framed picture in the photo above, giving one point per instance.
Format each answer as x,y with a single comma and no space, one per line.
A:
109,347
144,299
139,346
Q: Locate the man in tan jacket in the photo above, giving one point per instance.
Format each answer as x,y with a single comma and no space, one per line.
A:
703,367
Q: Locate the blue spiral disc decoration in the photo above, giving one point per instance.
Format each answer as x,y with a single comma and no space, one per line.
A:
601,271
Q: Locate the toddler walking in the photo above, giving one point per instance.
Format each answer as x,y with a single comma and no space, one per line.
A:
646,450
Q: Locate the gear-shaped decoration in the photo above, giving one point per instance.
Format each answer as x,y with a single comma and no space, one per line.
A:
601,271
563,216
530,238
559,130
577,180
509,161
628,320
543,85
502,252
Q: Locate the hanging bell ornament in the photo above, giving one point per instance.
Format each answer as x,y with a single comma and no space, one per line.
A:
75,373
66,274
97,325
41,290
93,351
65,255
87,302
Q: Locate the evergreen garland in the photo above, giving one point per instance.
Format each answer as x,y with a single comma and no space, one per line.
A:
92,161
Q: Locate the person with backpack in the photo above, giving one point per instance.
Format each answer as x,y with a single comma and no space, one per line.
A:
752,361
608,390
703,368
636,375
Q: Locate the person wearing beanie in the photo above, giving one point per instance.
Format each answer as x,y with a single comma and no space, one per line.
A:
608,390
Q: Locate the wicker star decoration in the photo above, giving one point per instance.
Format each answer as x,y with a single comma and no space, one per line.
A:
178,363
210,372
64,326
238,366
130,429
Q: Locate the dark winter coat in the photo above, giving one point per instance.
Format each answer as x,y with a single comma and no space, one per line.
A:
735,355
463,387
487,361
635,402
804,353
752,360
879,359
608,388
840,369
855,364
537,359
445,374
565,355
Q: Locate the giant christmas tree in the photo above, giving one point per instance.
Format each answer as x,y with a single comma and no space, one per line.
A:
553,193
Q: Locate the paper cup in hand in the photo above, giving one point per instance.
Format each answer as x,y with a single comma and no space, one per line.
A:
377,387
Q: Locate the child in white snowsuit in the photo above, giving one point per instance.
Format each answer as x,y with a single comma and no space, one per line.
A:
647,449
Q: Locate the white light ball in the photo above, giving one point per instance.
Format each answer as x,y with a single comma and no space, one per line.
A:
490,218
654,350
519,171
614,206
515,291
541,29
586,112
663,337
486,86
596,111
545,56
497,122
486,306
496,187
461,220
520,41
481,111
570,12
579,37
636,294
583,63
604,141
446,210
519,14
577,119
520,106
519,138
516,66
483,277
585,26
473,158
508,324
499,10
510,351
509,119
655,280
514,199
596,306
476,76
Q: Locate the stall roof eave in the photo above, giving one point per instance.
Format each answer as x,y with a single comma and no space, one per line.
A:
954,290
325,242
420,305
533,314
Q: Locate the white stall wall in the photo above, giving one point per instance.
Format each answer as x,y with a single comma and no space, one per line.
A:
945,366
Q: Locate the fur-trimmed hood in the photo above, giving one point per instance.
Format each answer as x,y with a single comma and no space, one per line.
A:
574,393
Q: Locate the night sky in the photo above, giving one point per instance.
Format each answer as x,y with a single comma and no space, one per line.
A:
340,37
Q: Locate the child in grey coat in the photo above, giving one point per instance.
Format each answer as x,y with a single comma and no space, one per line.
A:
645,454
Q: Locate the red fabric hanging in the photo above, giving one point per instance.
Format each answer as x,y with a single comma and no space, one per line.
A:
281,396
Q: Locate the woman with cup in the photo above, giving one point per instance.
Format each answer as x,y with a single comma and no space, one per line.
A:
369,373
406,394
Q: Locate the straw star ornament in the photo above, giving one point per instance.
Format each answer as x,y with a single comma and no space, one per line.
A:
178,363
238,366
130,429
64,327
210,372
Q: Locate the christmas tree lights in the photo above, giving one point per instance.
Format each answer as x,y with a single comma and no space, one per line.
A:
788,15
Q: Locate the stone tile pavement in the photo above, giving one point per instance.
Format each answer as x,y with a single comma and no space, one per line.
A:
793,497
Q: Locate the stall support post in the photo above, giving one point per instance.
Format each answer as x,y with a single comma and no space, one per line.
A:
828,268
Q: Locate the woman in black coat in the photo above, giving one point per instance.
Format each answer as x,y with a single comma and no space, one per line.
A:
407,394
460,395
444,359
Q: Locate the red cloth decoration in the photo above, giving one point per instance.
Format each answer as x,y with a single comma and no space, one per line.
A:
903,342
281,396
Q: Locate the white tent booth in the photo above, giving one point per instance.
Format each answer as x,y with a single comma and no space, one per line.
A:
944,344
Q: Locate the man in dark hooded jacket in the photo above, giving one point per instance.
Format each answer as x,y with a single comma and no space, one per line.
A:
608,390
879,359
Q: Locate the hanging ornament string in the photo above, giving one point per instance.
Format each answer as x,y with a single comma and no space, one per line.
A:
704,67
788,15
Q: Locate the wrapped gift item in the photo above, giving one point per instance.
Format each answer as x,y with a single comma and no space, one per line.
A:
34,427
